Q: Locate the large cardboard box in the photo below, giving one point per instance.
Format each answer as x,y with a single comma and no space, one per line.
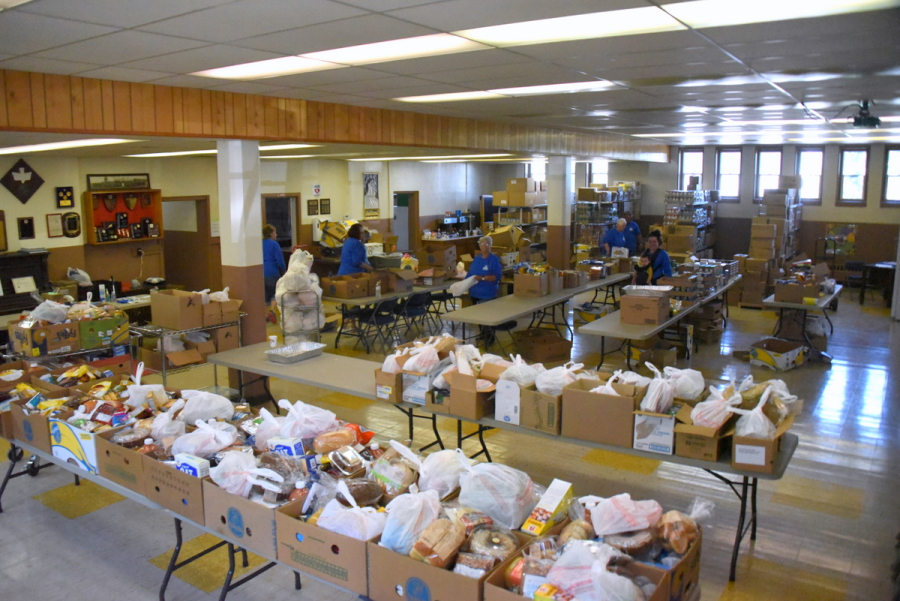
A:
680,243
531,285
757,454
699,442
416,385
173,489
507,236
500,198
465,400
153,360
432,255
754,264
225,338
588,194
118,464
327,555
602,418
31,429
74,445
397,280
109,331
795,291
44,340
345,286
774,210
644,310
763,230
776,354
388,387
176,309
251,524
522,199
28,371
520,184
539,411
541,345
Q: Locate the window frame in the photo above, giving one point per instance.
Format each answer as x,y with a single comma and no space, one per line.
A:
680,183
800,151
590,172
884,180
840,201
757,152
740,152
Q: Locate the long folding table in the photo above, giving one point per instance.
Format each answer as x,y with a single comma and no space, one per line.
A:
798,312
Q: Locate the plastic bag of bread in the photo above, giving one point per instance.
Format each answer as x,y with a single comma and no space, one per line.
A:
305,421
581,571
472,565
640,544
467,517
207,439
439,543
361,523
439,471
363,493
237,473
494,541
622,514
332,440
269,426
660,393
289,468
394,471
408,516
504,493
203,405
678,530
754,423
539,557
713,412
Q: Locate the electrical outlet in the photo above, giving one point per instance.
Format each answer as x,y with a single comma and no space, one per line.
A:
140,252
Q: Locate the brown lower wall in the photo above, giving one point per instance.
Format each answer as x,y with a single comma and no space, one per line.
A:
559,246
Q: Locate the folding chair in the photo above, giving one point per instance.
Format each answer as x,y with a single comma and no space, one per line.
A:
382,321
413,310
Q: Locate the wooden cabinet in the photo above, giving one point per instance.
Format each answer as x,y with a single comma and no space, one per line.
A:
118,216
21,265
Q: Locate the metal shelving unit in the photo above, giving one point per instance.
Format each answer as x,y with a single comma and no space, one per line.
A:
303,334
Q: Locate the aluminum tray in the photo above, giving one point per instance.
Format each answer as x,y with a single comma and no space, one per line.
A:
295,352
655,291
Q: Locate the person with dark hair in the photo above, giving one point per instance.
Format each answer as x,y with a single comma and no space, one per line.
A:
354,258
660,263
643,273
273,267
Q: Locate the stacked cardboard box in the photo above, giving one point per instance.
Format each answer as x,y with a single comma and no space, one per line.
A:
521,192
685,288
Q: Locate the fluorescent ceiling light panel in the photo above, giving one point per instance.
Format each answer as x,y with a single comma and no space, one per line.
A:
451,97
435,158
631,21
290,156
557,88
273,67
394,50
181,153
64,145
776,122
4,4
721,13
285,147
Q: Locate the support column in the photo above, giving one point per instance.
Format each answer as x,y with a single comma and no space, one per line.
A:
560,192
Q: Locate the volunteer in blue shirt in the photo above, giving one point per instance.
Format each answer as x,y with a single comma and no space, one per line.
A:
273,267
615,237
660,262
632,234
487,270
354,258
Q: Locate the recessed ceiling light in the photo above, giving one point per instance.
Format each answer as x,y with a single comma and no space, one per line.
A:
289,156
436,158
558,88
274,67
721,13
392,50
64,145
4,4
286,147
451,97
181,153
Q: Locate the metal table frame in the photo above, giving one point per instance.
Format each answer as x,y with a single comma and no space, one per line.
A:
798,312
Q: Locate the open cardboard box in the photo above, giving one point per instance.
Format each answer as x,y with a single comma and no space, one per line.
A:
603,418
74,445
39,340
700,442
465,400
539,411
176,309
32,429
173,489
250,523
388,387
655,432
757,454
119,464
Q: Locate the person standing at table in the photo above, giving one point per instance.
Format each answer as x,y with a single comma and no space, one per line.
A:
354,258
633,239
614,238
660,263
273,267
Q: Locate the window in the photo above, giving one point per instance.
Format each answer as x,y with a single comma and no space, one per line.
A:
852,183
537,170
768,170
728,174
598,172
809,168
690,162
891,177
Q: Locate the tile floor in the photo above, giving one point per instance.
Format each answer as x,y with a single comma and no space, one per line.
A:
826,530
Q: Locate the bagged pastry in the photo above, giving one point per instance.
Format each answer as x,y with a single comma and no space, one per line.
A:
334,439
408,516
493,541
438,543
395,472
504,493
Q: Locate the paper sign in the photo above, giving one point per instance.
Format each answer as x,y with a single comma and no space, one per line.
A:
506,402
749,454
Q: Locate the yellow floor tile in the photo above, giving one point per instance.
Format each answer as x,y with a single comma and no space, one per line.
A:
761,580
4,449
824,497
75,501
877,311
348,351
347,401
638,465
208,572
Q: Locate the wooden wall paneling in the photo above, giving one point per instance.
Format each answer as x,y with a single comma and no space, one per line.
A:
313,122
228,113
93,103
206,116
4,109
419,129
270,117
215,264
329,127
147,94
76,92
256,116
303,113
63,257
346,122
59,101
387,126
218,112
38,100
18,99
162,105
192,106
178,110
292,118
372,125
121,106
240,114
462,132
432,130
282,117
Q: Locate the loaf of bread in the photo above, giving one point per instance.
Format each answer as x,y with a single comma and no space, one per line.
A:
576,530
676,530
439,543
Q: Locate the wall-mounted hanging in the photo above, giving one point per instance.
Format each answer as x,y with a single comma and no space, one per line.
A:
65,198
312,206
325,206
22,181
119,181
26,228
54,225
370,195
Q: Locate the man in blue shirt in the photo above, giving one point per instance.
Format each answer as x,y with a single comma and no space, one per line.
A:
273,268
632,233
614,238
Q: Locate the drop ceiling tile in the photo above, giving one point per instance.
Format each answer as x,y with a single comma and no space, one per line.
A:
840,26
45,65
187,81
522,74
365,29
328,97
123,74
116,12
672,58
120,47
451,62
21,33
384,83
248,87
613,46
199,59
385,5
322,78
436,88
248,18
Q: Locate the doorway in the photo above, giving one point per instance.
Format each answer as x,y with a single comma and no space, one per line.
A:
282,211
406,220
191,258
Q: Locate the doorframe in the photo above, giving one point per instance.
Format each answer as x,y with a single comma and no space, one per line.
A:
298,211
204,229
415,238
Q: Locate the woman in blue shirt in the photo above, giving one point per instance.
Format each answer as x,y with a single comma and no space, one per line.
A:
614,237
660,262
487,270
273,267
354,258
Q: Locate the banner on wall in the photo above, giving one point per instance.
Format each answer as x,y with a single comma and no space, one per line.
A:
844,236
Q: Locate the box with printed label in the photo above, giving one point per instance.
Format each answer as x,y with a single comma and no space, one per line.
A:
432,255
174,489
327,555
38,340
416,385
507,402
292,447
388,387
73,445
597,417
550,510
32,429
520,184
500,198
226,339
251,524
699,442
644,310
344,286
655,432
109,331
194,466
776,354
539,411
119,464
758,454
176,309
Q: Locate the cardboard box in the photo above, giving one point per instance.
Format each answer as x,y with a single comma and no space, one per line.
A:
109,331
699,442
205,348
33,429
153,360
587,194
173,489
327,555
531,285
521,199
539,411
795,291
762,252
416,385
345,286
398,280
520,184
74,445
654,432
44,340
754,264
643,310
251,524
225,338
759,230
118,464
774,210
757,454
437,401
776,354
467,402
550,510
602,418
500,198
507,236
541,345
388,387
431,255
680,243
507,406
23,365
176,309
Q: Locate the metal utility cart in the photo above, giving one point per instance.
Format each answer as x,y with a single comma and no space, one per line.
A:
306,311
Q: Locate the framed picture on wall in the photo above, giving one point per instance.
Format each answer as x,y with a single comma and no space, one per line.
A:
54,225
119,181
312,206
26,228
325,206
370,191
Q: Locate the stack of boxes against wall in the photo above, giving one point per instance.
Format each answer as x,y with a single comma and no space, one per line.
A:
597,208
523,203
689,224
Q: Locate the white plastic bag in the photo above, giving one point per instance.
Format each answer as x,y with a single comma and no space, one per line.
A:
660,393
361,523
633,378
440,382
269,427
165,424
204,296
83,279
689,383
422,360
305,421
606,388
391,364
581,571
554,380
461,287
620,513
207,439
237,473
506,494
153,394
203,405
169,344
197,337
753,423
439,471
51,312
713,412
521,373
609,586
219,297
408,516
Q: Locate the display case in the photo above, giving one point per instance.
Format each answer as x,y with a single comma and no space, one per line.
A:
119,216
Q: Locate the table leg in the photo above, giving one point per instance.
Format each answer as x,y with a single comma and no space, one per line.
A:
602,351
740,530
862,286
628,353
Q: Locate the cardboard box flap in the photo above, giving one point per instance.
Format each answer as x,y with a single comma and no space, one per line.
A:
405,274
186,357
686,425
